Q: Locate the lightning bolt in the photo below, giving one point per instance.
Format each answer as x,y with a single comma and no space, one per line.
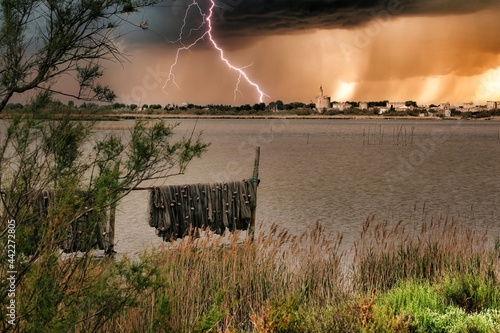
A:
207,22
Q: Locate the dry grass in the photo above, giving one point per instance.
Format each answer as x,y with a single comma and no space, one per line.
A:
285,283
229,285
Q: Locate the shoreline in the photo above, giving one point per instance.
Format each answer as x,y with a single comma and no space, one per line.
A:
291,116
135,116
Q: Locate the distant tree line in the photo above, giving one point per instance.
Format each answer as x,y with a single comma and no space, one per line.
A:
377,104
158,108
297,108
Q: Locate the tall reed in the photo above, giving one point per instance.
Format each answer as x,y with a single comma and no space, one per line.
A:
385,255
292,283
216,285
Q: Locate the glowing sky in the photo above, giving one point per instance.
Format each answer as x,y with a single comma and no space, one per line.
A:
424,50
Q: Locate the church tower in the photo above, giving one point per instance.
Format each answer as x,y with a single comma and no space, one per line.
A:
322,101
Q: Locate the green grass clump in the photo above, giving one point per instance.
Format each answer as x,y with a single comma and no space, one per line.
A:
418,306
457,320
472,293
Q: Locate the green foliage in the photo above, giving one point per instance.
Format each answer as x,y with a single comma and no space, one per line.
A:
77,36
411,103
395,310
341,317
82,176
62,142
456,320
211,319
82,295
285,315
421,307
49,297
378,103
472,293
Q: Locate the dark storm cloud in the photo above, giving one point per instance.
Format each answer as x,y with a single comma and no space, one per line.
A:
249,19
262,17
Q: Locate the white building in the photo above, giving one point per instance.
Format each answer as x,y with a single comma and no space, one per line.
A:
341,106
445,108
492,105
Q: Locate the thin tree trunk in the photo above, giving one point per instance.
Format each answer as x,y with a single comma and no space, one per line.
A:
5,100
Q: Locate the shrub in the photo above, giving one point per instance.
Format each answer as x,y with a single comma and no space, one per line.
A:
86,176
401,307
422,307
472,293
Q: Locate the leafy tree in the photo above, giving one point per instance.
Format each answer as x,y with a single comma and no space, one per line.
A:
118,105
279,104
259,107
353,104
86,175
245,107
294,105
272,106
14,106
42,40
377,103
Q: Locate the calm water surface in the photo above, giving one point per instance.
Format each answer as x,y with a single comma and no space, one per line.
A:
339,172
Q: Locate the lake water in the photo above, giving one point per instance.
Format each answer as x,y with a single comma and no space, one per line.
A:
339,172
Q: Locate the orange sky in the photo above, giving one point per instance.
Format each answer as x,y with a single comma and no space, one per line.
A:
430,59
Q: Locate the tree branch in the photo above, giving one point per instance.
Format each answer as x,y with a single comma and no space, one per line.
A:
65,33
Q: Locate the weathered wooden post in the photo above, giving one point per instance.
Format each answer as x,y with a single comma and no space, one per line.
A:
112,216
111,232
255,184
